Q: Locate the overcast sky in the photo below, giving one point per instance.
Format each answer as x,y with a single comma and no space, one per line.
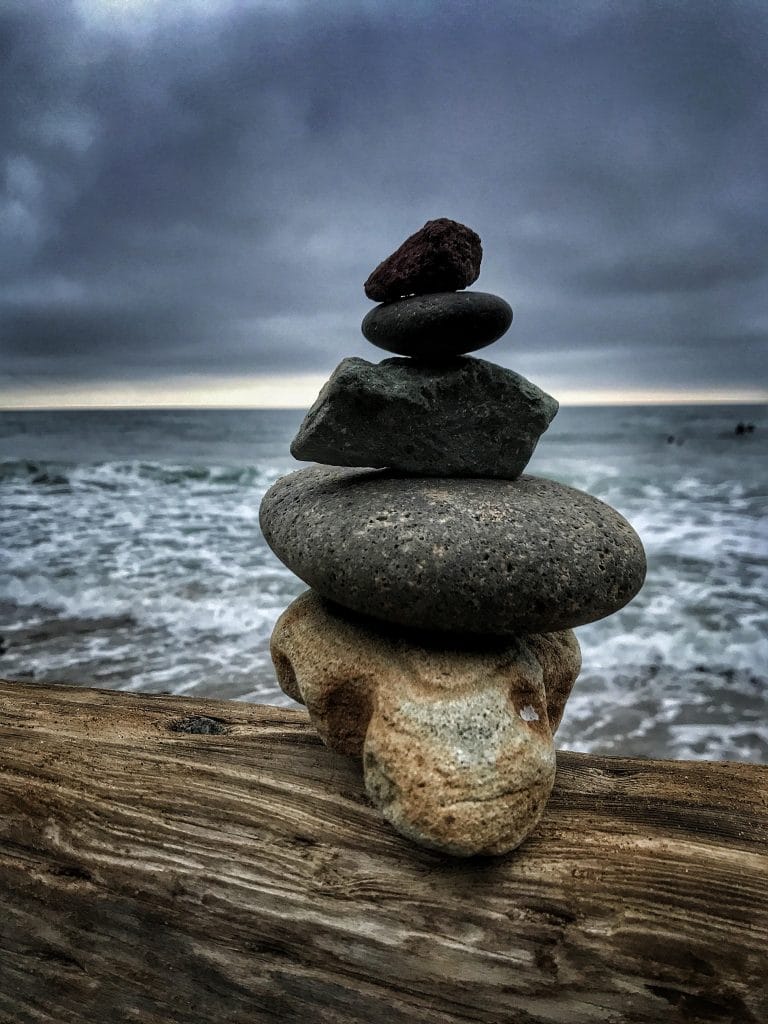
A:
202,188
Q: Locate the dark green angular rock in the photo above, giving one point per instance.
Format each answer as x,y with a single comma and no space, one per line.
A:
466,418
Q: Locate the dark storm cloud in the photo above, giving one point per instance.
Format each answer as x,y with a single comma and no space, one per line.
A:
206,192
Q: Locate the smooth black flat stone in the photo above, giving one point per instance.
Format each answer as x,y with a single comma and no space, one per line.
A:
438,326
464,418
477,556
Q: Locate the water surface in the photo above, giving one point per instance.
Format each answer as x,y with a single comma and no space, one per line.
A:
131,557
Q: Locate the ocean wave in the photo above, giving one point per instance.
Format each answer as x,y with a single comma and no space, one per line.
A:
638,709
35,473
121,475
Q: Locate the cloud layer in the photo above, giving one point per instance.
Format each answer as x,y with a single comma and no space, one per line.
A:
206,191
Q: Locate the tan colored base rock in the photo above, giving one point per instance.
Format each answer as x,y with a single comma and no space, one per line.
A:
456,743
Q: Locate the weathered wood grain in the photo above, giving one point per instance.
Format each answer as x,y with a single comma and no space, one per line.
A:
154,875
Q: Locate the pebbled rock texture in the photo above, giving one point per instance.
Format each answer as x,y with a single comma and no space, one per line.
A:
438,326
441,257
456,741
468,418
486,556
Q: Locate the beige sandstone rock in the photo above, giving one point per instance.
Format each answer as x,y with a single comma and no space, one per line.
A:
456,742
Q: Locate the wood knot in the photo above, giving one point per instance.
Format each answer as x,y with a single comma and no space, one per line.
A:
199,724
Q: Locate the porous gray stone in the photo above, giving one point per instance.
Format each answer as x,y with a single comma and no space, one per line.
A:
438,326
455,736
440,257
468,418
486,556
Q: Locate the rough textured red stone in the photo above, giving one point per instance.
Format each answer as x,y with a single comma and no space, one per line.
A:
444,256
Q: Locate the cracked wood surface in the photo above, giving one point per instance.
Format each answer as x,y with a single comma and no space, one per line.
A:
169,859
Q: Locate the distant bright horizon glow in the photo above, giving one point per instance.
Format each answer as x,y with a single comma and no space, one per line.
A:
300,391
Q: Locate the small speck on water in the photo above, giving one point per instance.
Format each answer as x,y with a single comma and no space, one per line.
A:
529,714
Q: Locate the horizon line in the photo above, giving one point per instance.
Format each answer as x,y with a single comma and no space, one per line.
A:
564,404
299,391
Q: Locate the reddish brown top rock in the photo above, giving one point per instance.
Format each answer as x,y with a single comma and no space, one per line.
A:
443,256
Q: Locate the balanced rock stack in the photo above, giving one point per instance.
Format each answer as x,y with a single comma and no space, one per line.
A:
436,642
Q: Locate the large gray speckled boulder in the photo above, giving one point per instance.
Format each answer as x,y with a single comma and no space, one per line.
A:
483,556
456,738
468,418
439,326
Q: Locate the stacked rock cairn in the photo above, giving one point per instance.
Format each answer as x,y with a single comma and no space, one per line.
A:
436,642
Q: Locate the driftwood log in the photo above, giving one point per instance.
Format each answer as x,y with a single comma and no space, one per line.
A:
168,860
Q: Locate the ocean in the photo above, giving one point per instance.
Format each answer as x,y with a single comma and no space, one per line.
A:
131,558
